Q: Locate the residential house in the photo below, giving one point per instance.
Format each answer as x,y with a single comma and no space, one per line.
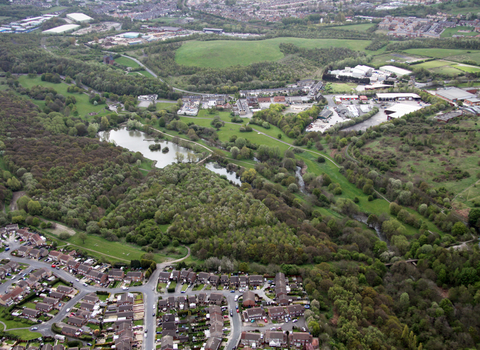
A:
76,321
225,280
202,298
134,276
184,275
300,339
73,265
91,298
54,255
69,331
248,299
65,258
295,310
87,306
51,301
203,277
43,252
65,290
56,295
255,281
192,277
30,313
169,329
37,240
213,343
234,282
97,276
84,269
116,275
124,299
213,279
275,339
192,301
58,347
252,339
34,253
175,275
12,228
43,307
167,343
13,295
164,277
279,99
24,250
255,313
127,314
216,298
163,304
276,312
243,281
42,273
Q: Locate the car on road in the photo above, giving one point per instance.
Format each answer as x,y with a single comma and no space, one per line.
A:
54,266
34,328
7,249
153,315
89,344
146,330
238,310
125,288
182,291
67,310
231,313
146,335
232,291
295,320
77,280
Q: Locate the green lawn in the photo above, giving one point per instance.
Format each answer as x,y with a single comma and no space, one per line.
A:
116,250
440,66
25,334
363,27
124,61
83,106
449,32
340,87
225,53
141,72
439,53
184,287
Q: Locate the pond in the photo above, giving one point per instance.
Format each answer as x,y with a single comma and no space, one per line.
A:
134,141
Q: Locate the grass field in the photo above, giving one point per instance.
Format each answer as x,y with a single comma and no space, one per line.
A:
363,27
141,72
25,334
117,251
340,87
124,61
440,66
467,69
449,32
224,53
442,53
83,106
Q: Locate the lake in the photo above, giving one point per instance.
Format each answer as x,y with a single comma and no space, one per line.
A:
133,140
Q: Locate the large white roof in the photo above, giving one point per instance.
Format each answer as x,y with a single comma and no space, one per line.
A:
400,109
397,70
79,17
61,29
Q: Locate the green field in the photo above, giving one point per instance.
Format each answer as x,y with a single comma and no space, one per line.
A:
339,87
25,334
124,61
439,66
467,69
363,27
116,251
84,107
225,53
141,72
449,32
443,53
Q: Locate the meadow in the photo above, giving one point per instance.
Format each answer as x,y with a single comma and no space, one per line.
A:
440,66
449,32
141,72
227,53
83,106
444,53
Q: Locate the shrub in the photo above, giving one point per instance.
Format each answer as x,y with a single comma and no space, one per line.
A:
321,159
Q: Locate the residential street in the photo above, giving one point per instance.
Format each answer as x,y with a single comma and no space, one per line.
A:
148,290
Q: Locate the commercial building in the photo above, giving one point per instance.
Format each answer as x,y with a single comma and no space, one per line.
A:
79,17
213,30
395,70
397,96
400,109
454,94
62,29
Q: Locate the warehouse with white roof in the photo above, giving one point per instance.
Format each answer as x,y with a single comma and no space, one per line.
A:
395,70
79,17
62,29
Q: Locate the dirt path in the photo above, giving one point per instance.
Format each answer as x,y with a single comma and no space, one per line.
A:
16,196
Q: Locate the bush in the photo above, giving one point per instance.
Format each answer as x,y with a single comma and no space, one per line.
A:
356,200
321,159
370,198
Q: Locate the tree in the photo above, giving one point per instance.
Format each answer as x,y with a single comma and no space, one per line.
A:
249,175
82,236
179,157
235,152
34,208
474,217
240,142
64,236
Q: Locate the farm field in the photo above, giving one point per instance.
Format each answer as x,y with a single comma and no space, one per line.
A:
223,53
124,61
84,107
467,69
440,66
449,32
446,53
397,57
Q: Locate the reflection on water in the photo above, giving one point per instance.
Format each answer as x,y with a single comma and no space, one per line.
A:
231,176
133,140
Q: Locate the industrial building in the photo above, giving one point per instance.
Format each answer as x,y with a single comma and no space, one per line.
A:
79,17
62,29
213,30
400,109
361,72
454,95
397,96
395,70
